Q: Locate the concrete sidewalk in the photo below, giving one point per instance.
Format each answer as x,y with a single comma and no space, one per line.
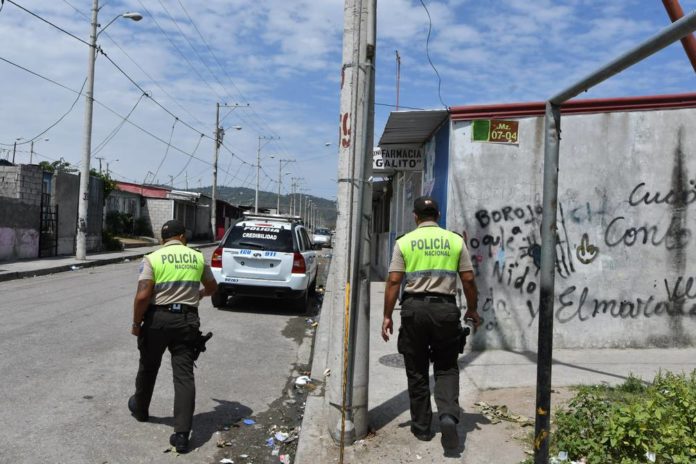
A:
42,266
495,376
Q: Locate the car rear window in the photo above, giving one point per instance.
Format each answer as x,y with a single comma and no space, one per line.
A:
322,231
260,238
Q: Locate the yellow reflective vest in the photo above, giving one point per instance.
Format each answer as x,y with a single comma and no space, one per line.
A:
430,251
176,266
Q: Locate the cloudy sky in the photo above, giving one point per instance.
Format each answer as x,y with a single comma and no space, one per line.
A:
280,60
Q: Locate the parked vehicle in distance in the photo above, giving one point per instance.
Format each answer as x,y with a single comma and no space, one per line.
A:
322,237
265,255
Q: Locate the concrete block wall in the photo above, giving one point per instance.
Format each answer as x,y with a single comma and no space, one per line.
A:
159,211
20,201
9,181
625,248
22,182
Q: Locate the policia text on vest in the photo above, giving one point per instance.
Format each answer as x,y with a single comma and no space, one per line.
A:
182,260
432,246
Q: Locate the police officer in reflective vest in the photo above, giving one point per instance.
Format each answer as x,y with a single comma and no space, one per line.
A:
165,316
431,259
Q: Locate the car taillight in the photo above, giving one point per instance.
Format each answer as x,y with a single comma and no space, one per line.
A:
216,260
298,264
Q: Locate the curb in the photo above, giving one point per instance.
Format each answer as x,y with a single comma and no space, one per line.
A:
82,265
65,268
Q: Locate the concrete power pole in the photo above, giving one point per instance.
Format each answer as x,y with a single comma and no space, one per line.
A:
346,394
219,134
258,169
83,199
280,179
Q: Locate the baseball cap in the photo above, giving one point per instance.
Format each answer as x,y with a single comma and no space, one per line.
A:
426,206
172,229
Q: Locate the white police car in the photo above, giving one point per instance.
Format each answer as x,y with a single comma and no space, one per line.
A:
265,255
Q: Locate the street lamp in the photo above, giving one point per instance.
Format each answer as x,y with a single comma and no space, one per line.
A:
14,149
280,178
107,166
81,237
258,169
31,150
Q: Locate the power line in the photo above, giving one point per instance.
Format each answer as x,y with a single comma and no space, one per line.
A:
108,108
427,52
152,79
174,45
200,139
400,106
212,53
60,119
100,50
166,152
50,23
260,126
181,32
100,146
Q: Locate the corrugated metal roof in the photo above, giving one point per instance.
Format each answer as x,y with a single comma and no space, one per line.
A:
407,127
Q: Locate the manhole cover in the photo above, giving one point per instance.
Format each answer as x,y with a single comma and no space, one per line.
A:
392,360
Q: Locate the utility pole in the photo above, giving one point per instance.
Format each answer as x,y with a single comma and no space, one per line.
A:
83,199
258,169
398,77
280,178
293,196
100,158
348,304
31,152
219,134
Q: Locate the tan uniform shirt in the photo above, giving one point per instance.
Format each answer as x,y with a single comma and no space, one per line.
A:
433,283
170,295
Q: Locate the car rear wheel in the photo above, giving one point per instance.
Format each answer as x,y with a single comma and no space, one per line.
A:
219,299
300,304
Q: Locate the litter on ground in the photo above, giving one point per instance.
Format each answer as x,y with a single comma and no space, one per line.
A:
497,413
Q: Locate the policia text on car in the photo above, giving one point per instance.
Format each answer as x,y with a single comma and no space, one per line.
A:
431,259
165,316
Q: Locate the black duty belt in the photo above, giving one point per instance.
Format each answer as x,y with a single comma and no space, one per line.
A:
175,308
431,297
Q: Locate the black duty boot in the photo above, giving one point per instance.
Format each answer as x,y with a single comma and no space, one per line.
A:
139,416
422,435
449,438
180,441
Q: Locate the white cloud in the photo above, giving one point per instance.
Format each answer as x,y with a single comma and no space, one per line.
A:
284,58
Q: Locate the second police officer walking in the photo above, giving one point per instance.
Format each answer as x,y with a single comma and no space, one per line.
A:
165,316
431,260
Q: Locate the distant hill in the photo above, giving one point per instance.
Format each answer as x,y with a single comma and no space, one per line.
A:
245,197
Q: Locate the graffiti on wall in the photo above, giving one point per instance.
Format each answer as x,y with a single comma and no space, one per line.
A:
506,252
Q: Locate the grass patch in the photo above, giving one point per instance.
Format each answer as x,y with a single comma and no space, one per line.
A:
630,423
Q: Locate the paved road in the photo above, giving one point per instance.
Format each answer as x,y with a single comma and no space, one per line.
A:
68,366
